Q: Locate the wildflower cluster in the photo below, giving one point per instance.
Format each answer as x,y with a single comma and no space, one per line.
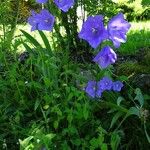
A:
94,32
95,89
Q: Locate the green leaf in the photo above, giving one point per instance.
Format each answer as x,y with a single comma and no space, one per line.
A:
72,130
85,111
37,103
55,124
147,136
115,118
115,140
111,110
134,111
101,130
119,100
104,147
76,142
131,111
57,110
139,96
94,143
47,82
70,118
31,39
46,42
123,78
29,49
25,142
70,96
115,106
50,136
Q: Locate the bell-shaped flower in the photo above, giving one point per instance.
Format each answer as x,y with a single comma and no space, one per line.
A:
105,57
95,89
46,20
117,86
105,84
41,21
93,31
91,88
117,29
64,5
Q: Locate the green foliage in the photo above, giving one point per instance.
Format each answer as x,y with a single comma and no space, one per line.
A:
42,102
5,10
136,39
134,9
129,68
38,140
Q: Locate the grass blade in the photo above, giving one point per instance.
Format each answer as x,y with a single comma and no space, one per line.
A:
31,39
46,42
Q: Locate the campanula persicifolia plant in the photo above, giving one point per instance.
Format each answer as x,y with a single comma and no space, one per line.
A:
94,32
61,104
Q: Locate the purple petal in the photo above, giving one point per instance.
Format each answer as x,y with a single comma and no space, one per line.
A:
90,88
105,84
64,5
117,29
47,20
41,1
105,57
41,21
117,86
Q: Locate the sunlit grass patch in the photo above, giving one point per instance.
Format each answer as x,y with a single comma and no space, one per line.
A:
144,25
138,37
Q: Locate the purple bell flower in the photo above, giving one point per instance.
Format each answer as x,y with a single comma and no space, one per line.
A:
46,20
105,57
105,84
33,20
117,29
42,21
91,88
93,31
64,5
99,90
117,86
95,89
41,1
